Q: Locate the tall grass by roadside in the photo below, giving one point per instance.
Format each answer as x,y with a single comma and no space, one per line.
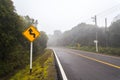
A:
43,69
103,50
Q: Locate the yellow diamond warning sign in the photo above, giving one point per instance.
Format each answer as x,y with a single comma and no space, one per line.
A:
31,33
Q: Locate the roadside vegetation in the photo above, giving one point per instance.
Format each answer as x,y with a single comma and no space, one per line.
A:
14,47
102,50
43,68
83,36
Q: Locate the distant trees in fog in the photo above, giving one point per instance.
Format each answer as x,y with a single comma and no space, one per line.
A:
84,34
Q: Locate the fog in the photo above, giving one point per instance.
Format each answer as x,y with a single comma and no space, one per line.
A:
69,22
85,35
65,14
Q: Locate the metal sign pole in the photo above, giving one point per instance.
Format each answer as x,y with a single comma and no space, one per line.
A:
31,33
31,50
96,46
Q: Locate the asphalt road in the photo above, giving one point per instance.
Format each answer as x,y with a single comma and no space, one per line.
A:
81,65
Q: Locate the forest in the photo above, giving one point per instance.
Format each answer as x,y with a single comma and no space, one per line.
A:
14,46
83,35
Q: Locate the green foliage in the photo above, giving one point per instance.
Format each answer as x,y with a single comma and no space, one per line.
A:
41,43
111,51
42,68
17,58
115,34
8,20
86,48
102,50
85,34
14,47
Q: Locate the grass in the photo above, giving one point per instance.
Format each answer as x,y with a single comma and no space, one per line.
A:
43,69
102,50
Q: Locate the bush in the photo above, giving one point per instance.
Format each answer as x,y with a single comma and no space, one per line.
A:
103,50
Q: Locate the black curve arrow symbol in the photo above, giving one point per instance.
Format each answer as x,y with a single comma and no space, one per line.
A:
31,32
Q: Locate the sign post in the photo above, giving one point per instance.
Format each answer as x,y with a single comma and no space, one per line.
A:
96,44
31,33
31,51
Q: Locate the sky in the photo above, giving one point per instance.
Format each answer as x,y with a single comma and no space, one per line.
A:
65,14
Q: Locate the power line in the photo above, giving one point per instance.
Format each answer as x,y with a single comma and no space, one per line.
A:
109,10
105,13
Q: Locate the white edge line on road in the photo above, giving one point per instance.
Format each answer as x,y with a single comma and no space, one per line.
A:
61,68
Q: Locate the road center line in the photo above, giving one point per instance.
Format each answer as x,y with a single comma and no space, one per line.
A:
106,63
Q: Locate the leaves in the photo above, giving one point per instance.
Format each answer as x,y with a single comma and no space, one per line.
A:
14,47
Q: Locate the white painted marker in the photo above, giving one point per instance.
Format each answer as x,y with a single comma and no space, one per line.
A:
61,68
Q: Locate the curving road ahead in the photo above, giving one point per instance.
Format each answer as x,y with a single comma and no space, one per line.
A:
81,65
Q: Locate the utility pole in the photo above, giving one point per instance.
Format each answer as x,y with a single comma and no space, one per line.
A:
96,35
105,24
106,32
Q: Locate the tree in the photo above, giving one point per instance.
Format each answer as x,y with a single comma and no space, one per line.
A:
14,47
115,34
8,28
83,34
